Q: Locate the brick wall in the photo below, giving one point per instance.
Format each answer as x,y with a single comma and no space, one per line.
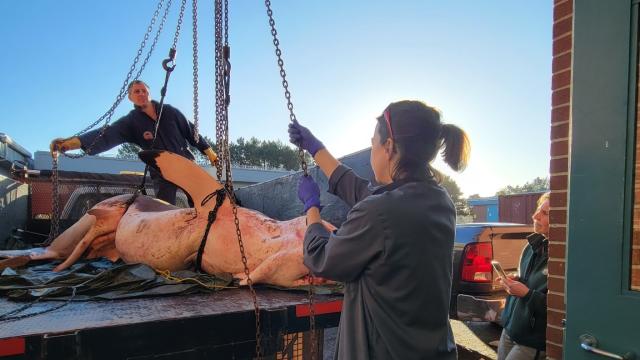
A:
559,171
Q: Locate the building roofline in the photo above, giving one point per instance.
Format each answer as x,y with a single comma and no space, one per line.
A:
14,145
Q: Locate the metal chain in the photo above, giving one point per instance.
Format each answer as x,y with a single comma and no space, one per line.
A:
168,65
220,146
123,90
222,142
133,66
312,318
256,307
179,26
226,54
8,316
55,202
226,23
196,112
283,75
155,40
303,163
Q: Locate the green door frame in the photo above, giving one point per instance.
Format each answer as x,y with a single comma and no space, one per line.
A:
603,110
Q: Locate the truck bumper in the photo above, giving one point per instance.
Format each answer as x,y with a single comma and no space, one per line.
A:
472,308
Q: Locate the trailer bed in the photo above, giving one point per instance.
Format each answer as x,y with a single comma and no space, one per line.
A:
218,325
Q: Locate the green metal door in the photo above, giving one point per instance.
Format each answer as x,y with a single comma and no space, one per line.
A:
603,258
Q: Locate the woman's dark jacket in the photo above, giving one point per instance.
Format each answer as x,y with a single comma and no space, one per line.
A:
525,318
394,254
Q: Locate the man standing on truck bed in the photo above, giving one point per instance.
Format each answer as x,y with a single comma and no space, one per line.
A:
525,315
138,127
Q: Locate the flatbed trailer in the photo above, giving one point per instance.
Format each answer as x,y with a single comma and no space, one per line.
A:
219,325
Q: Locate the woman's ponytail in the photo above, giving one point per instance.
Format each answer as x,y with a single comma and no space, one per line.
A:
456,146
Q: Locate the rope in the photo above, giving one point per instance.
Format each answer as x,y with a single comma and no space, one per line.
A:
167,275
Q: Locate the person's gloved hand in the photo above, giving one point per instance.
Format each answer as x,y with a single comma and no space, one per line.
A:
308,192
302,137
213,157
64,145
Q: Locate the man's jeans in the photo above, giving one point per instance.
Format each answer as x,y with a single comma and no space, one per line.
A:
509,350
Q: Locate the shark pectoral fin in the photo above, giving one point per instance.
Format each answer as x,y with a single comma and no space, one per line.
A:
190,259
102,214
185,173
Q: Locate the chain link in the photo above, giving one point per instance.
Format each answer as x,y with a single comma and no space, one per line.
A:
303,162
283,75
256,307
312,318
55,202
196,113
222,68
123,90
179,26
220,146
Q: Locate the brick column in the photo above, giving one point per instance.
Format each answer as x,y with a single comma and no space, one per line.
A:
559,171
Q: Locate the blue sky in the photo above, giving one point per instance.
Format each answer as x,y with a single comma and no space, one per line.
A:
485,64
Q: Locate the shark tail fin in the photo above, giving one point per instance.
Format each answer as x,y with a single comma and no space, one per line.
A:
184,173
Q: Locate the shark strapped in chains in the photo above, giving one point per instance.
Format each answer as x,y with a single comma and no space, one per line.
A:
166,237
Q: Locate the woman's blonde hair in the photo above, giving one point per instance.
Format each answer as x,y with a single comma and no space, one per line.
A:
544,197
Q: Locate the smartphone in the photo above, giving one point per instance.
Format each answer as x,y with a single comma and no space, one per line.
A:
499,270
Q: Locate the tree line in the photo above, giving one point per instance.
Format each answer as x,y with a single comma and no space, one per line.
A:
268,154
278,155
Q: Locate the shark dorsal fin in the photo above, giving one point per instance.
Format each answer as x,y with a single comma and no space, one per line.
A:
186,174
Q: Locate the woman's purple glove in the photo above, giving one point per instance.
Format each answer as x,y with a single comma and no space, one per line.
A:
302,137
308,192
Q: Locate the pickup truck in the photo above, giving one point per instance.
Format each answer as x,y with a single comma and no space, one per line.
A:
475,294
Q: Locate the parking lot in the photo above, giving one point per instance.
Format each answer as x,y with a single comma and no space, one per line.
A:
473,339
476,340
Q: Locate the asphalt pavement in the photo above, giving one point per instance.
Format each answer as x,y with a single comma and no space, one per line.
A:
475,340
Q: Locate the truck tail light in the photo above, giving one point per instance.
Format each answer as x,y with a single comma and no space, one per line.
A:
476,262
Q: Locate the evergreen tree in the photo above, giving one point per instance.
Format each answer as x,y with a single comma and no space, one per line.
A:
536,185
462,207
268,154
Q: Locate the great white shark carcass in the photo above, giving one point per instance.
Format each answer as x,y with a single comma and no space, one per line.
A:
166,237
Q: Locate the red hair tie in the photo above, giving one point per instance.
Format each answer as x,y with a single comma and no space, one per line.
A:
387,117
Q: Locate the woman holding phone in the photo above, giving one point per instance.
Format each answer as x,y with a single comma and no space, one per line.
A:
525,315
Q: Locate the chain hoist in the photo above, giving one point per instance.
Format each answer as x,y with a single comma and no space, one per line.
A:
168,65
303,163
196,108
222,77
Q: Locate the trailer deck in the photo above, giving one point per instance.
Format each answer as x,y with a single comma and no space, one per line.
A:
217,325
